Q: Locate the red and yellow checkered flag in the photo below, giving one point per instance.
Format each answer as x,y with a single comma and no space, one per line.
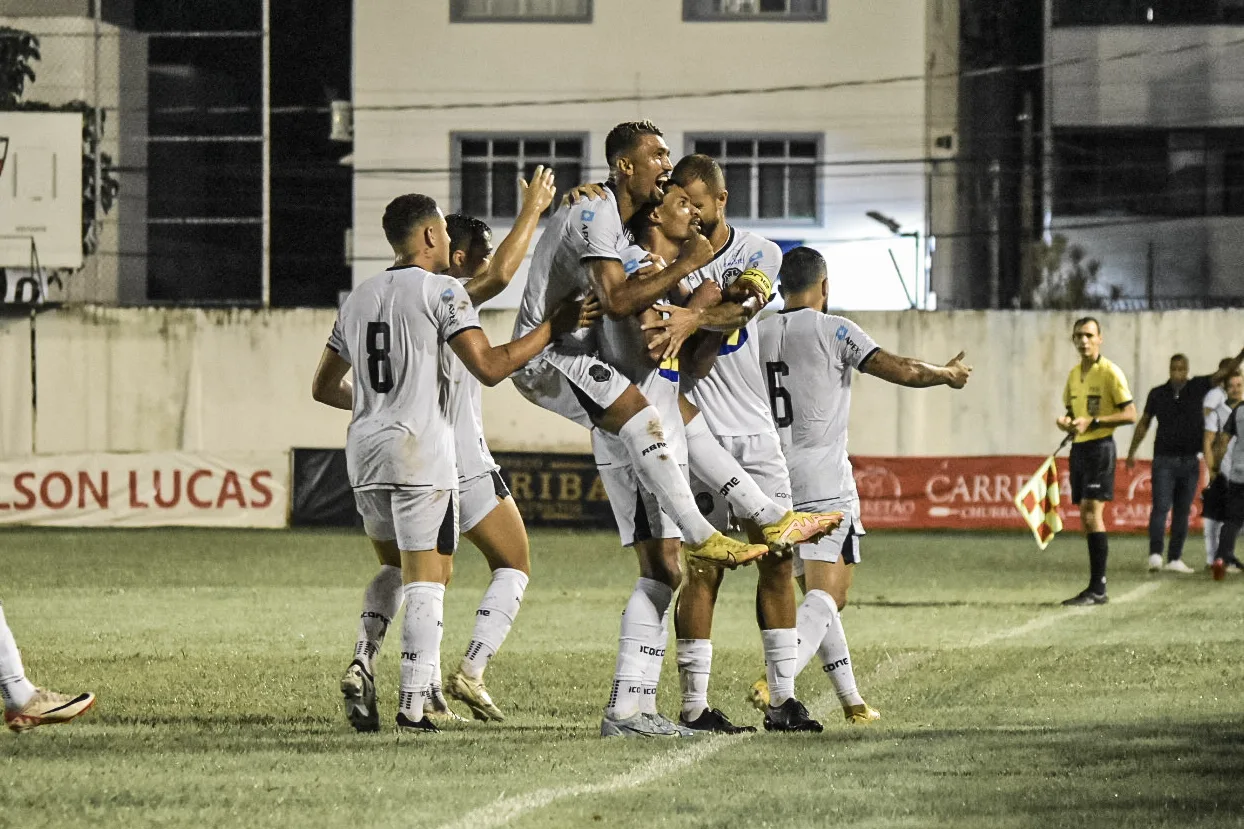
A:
1037,502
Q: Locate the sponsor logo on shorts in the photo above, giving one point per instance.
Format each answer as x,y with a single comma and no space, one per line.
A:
730,484
600,373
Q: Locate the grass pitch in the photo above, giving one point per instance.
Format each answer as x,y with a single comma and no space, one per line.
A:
216,656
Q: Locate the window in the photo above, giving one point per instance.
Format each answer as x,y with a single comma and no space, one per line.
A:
754,9
1149,172
489,165
520,11
769,177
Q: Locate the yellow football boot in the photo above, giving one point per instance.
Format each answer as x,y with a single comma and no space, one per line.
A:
861,714
800,528
723,551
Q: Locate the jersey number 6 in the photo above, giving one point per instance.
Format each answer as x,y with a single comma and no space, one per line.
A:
783,415
379,369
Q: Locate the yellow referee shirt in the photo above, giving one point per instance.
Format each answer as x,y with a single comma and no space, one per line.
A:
1100,391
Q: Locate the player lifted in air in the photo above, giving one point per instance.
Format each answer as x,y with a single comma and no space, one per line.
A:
728,420
400,444
809,357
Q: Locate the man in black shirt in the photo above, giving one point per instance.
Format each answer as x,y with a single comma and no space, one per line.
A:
1176,466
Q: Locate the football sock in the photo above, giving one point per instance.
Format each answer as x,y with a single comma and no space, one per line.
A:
813,619
695,663
661,474
14,687
836,659
641,625
381,601
652,668
1212,529
781,650
494,619
1099,551
713,464
421,644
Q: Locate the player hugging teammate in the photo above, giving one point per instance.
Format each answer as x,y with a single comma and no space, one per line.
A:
672,378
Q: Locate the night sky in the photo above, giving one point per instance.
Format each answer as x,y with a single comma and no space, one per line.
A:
310,65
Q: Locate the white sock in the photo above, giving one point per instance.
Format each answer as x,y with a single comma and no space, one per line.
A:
836,660
421,644
695,663
660,473
641,625
381,601
1212,531
715,466
781,651
815,615
14,687
656,659
494,619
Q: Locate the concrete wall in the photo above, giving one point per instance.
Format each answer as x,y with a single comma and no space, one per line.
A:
238,381
406,57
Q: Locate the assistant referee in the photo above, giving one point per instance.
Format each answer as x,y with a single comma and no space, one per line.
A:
1098,401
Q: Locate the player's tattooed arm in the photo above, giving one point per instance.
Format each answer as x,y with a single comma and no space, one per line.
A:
537,196
491,364
917,374
330,385
621,297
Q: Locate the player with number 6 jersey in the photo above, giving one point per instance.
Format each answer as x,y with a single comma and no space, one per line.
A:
810,358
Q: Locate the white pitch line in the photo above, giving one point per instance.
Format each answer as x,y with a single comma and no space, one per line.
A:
507,809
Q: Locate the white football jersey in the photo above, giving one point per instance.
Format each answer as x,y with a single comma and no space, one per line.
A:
391,329
1214,398
1216,421
809,358
734,397
576,233
467,415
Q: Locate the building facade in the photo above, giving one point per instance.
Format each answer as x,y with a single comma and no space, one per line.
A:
453,98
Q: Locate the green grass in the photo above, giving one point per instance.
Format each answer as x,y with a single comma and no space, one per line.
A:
216,656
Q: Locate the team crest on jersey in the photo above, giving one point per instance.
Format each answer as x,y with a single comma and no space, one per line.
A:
841,333
730,274
599,373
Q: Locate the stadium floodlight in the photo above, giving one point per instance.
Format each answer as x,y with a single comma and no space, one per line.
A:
897,229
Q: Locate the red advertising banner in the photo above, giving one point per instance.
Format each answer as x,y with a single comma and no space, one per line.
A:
976,493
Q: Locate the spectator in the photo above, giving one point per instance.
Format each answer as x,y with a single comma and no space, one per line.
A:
1211,497
1177,405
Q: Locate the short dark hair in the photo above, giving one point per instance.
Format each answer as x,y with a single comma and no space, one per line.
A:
1225,361
699,167
802,268
404,214
1182,358
465,232
1086,321
624,137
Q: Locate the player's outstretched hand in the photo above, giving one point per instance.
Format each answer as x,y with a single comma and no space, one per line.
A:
589,311
959,371
538,195
696,251
651,265
675,328
590,190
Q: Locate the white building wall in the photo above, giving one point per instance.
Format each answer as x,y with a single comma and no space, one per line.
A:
406,57
142,379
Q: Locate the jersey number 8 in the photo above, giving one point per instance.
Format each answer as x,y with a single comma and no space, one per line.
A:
379,369
783,415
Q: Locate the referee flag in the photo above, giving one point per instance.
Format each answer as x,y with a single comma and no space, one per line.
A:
1037,502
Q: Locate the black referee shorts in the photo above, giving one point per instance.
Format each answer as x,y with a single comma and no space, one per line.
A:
1092,470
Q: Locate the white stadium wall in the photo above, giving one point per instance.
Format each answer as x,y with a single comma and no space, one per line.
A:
230,382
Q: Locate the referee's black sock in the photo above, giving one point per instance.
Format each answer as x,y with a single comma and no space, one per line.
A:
1099,549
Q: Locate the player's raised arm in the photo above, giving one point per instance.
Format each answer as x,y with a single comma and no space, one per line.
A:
917,374
537,196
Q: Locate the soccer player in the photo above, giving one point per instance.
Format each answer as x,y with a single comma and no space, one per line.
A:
729,409
1098,401
400,444
25,706
488,515
1214,398
1219,448
809,357
1177,405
